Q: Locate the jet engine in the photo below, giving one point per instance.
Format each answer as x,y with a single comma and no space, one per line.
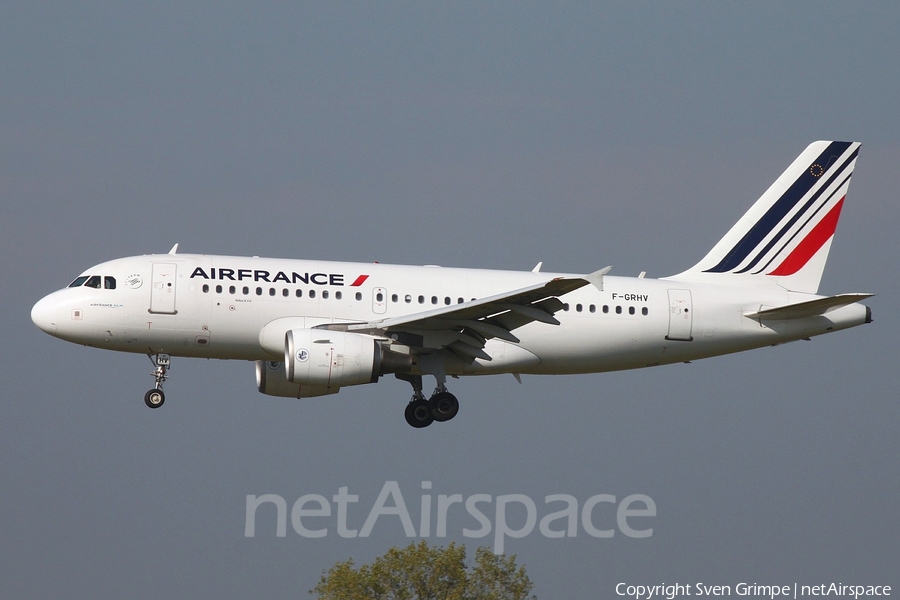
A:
332,359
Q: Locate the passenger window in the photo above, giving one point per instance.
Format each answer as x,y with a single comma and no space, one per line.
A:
231,289
379,297
93,282
644,311
605,309
246,290
593,308
299,293
394,298
578,307
338,295
271,291
434,299
630,310
359,295
618,310
421,299
79,281
566,307
447,300
407,298
259,291
285,292
325,294
459,300
312,293
109,283
205,288
218,289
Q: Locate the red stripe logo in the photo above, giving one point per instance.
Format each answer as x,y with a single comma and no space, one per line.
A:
806,249
359,281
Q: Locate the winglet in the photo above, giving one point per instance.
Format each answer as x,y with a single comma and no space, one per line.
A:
596,278
174,249
537,267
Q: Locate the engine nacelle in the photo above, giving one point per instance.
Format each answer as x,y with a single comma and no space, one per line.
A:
271,380
332,359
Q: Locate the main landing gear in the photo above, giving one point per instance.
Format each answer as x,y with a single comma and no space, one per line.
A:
154,398
442,406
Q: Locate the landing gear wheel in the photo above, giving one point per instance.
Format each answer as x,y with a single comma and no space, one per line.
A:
154,398
443,406
418,414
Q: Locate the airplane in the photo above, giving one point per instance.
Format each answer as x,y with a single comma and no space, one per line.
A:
313,327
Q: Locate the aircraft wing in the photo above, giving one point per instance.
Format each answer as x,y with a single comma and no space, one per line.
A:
464,328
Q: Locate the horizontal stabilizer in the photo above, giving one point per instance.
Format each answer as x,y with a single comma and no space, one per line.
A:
812,308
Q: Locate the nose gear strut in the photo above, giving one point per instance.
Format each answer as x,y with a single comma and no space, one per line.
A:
154,398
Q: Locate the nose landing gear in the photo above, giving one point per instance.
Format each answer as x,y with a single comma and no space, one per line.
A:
155,398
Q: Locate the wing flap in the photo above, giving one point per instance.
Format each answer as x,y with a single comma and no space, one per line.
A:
534,312
484,328
542,312
464,350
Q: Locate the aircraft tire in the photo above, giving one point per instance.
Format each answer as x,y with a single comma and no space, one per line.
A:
418,414
444,406
154,398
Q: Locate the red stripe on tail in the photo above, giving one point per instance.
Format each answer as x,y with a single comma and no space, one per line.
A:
806,249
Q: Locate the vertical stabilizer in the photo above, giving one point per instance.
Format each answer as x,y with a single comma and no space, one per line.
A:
785,236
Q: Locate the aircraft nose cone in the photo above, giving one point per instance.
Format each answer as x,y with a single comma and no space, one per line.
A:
44,315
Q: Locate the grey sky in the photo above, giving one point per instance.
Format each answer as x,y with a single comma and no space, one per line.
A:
498,135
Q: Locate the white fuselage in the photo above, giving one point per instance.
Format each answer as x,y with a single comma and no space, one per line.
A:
219,307
339,324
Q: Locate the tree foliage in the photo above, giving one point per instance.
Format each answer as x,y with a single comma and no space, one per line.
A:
423,572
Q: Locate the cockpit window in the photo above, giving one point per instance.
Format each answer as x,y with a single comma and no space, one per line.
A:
93,281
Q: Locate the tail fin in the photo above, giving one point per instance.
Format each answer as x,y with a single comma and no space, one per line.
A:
786,235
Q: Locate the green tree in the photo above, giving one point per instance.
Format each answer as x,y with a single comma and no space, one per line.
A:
423,572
